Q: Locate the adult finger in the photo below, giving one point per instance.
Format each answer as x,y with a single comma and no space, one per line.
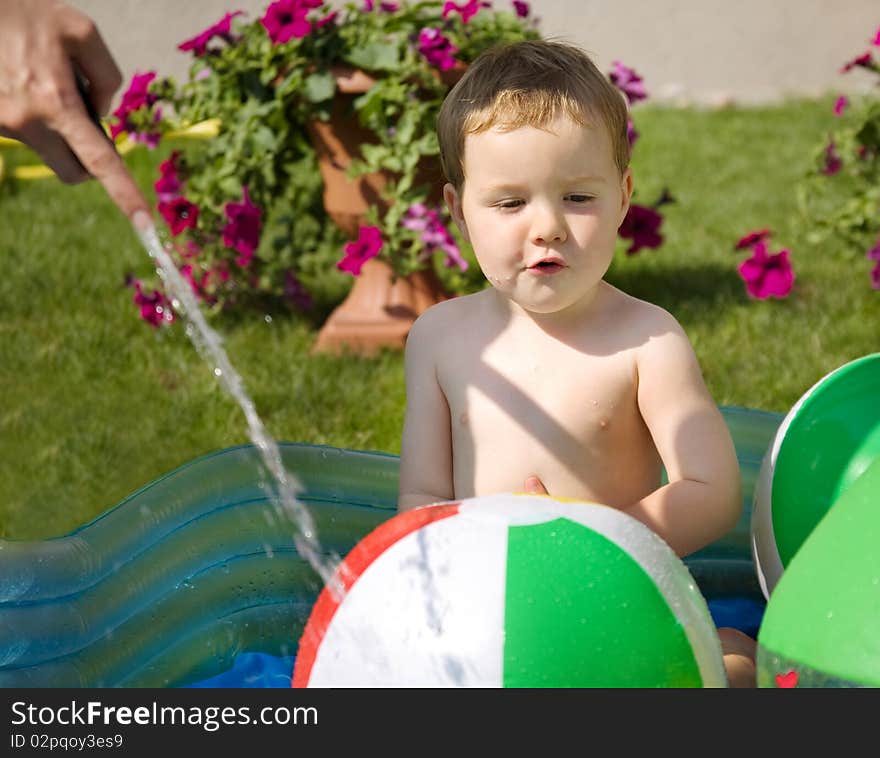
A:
101,160
89,52
54,151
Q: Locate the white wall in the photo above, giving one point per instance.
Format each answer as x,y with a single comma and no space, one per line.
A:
705,51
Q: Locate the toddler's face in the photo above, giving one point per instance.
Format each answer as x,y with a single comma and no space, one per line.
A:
541,209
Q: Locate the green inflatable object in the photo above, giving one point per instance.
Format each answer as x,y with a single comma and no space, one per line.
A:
820,628
831,441
824,444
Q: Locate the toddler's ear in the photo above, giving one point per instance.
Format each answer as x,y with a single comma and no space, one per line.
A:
626,190
453,202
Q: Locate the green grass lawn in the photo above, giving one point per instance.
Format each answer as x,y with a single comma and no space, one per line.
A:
96,404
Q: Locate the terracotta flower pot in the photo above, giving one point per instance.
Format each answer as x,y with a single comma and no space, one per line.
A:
380,308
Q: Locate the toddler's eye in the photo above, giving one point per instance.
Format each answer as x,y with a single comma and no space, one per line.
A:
577,198
510,204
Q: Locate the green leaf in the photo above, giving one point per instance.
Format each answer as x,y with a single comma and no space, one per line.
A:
318,87
375,56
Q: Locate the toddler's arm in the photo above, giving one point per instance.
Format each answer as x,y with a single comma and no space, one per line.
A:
702,500
426,446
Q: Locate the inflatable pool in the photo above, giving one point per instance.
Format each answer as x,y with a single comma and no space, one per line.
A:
194,580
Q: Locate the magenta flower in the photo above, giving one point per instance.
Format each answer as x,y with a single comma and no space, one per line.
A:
833,162
752,239
295,292
434,233
642,226
180,214
385,7
767,275
862,61
628,82
137,96
154,307
521,8
357,253
874,255
242,230
438,50
631,134
328,19
285,19
840,105
168,185
467,10
222,29
876,40
138,93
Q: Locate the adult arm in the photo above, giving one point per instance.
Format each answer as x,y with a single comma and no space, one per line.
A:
41,41
426,445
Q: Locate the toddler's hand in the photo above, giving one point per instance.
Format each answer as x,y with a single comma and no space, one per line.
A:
534,486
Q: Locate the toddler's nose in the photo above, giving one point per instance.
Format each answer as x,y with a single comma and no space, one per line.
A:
548,227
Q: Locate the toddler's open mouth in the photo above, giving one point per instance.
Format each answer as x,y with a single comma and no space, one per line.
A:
547,266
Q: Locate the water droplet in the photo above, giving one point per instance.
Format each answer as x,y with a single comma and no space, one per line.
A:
267,318
218,372
830,614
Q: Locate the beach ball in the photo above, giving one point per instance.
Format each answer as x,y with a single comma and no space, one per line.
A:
824,443
511,591
822,623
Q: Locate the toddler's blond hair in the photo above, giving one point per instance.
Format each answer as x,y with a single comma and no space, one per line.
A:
528,84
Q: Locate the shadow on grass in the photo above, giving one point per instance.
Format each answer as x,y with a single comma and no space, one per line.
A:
702,286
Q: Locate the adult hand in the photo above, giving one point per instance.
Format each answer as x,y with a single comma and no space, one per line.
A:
534,486
40,43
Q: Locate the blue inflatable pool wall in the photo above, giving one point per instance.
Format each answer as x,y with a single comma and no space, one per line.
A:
195,576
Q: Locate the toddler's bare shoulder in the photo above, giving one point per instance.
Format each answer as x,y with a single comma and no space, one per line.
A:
443,320
647,320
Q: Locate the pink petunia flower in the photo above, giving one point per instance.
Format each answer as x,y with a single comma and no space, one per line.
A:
222,29
628,82
833,162
642,226
521,8
876,40
467,10
295,292
168,185
138,93
438,50
862,61
767,275
631,134
874,255
434,234
840,105
242,229
358,252
137,96
752,239
285,19
328,19
154,307
385,7
875,277
180,214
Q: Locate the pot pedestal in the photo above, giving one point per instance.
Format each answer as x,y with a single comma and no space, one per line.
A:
379,310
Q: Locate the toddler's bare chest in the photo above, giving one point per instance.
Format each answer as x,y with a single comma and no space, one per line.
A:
571,401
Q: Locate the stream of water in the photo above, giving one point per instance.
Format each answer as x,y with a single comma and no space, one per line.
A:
208,344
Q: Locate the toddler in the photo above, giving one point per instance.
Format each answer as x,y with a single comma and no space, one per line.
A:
551,380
